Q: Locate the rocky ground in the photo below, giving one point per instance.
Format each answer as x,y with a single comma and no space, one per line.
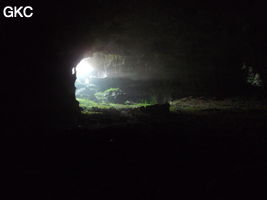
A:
189,153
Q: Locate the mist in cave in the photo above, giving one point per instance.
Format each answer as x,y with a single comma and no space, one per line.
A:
112,99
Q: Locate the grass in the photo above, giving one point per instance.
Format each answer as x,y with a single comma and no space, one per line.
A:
190,104
186,105
89,105
187,112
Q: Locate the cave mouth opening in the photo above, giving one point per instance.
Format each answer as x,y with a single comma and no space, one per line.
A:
98,82
88,79
110,80
106,80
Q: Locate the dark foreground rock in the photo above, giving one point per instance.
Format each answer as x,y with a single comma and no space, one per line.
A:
156,109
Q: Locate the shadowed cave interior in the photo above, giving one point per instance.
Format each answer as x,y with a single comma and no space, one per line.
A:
135,100
225,58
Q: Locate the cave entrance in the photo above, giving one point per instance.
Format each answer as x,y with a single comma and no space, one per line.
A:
108,80
88,73
100,79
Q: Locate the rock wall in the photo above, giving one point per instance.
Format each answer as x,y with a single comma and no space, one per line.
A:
207,44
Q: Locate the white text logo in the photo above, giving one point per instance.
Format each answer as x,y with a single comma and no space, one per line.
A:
15,11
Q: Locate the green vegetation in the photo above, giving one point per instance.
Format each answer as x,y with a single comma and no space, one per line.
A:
86,103
188,111
88,106
252,77
112,95
102,96
190,104
185,105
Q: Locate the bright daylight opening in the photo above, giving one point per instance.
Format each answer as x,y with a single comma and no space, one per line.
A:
84,68
100,83
84,71
90,80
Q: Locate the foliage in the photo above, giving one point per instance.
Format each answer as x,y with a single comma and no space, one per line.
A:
111,95
86,103
89,106
252,78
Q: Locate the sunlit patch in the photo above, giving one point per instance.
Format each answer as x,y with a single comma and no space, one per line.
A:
84,68
87,72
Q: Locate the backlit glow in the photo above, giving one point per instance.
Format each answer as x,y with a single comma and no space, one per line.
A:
86,74
84,68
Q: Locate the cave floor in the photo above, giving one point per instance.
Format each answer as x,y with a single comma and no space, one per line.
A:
211,153
226,117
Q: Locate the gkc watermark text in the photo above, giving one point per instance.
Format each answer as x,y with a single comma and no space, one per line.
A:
18,11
